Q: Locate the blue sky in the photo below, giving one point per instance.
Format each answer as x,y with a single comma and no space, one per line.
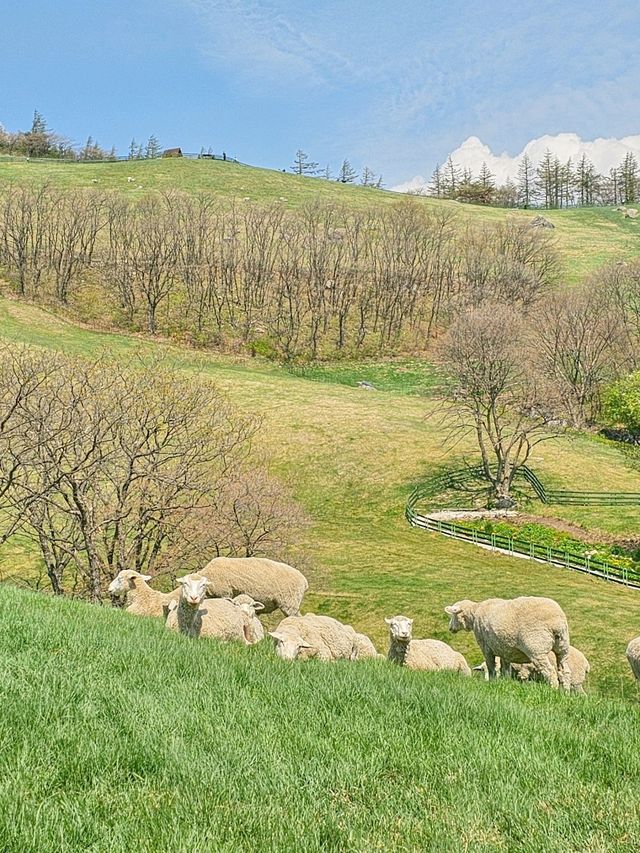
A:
394,85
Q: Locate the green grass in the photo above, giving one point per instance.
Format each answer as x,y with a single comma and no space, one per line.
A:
587,238
116,735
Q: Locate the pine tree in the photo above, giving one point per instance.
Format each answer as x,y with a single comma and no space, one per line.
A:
451,179
133,147
152,148
346,175
326,173
302,165
629,179
39,139
526,182
436,183
486,177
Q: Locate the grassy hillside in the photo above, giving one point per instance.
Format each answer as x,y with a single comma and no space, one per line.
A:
352,457
587,238
116,736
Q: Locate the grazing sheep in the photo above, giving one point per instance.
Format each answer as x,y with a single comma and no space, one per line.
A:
130,180
633,656
518,630
275,585
364,648
139,597
251,608
428,655
312,636
197,616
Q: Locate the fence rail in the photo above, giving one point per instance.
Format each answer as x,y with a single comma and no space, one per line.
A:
592,565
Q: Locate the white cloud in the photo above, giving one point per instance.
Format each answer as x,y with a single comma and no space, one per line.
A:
604,153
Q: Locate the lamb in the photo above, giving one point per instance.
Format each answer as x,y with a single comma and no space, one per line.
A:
140,598
312,636
275,585
255,631
428,655
197,616
518,630
633,656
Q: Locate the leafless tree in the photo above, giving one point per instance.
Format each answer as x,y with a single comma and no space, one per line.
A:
494,395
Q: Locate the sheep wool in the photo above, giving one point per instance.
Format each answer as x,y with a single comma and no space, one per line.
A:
427,655
321,637
633,656
579,667
518,630
197,616
140,598
275,585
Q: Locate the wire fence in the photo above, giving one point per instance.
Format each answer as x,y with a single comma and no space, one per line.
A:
122,158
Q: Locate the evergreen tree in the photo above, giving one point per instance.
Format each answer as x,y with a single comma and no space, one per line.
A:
152,148
526,182
346,175
451,179
486,177
302,165
436,183
133,147
38,140
629,178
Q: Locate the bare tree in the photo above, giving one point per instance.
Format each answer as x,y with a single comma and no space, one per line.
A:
494,395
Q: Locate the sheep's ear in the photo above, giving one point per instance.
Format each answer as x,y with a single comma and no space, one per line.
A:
452,610
182,580
146,577
276,636
304,645
258,605
388,620
410,621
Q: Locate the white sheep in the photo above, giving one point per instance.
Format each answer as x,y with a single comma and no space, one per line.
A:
579,668
578,664
428,655
197,616
517,630
320,637
633,656
130,180
140,598
275,585
364,648
251,608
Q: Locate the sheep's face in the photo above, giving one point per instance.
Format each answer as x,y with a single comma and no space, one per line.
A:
194,589
247,604
124,581
289,647
459,614
400,628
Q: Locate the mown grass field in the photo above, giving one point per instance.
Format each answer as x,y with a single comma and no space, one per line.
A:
351,457
587,238
117,736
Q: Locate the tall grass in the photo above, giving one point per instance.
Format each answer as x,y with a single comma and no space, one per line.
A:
116,735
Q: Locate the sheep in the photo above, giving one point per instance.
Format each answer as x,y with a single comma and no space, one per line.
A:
275,585
140,598
518,630
578,664
579,668
130,180
364,648
197,616
320,637
633,656
250,607
428,655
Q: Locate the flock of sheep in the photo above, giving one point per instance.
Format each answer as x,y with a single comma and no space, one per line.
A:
525,638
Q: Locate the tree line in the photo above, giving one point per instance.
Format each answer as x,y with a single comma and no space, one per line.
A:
303,165
548,184
319,282
40,141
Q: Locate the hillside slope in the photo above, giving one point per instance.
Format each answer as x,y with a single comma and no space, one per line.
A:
351,457
119,736
586,237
